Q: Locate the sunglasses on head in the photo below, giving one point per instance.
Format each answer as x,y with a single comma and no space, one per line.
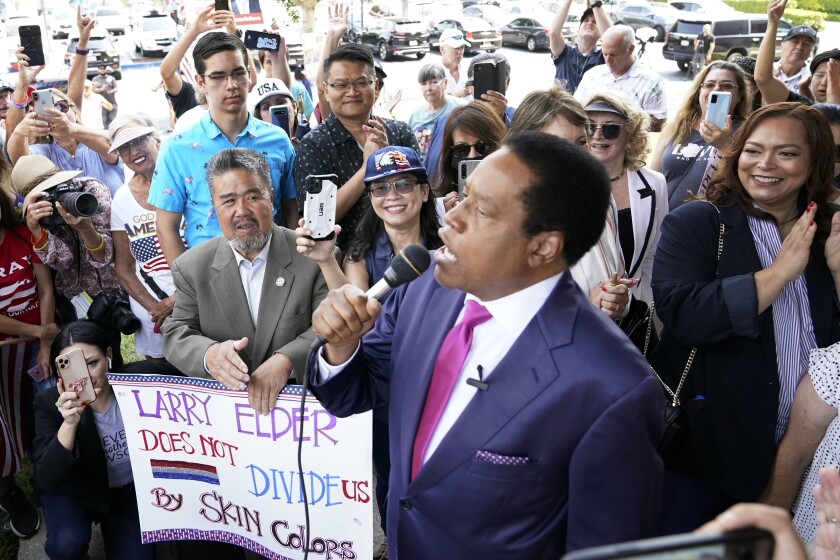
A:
611,131
462,150
62,106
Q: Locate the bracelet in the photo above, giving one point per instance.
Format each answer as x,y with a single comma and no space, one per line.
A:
98,247
40,241
83,52
21,106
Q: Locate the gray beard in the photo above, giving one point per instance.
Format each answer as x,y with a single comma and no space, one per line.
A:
253,242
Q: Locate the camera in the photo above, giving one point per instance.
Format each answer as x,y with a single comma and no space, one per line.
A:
110,307
73,199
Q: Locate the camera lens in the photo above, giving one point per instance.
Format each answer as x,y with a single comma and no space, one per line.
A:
80,204
126,321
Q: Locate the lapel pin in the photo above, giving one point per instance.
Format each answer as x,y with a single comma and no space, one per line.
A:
281,281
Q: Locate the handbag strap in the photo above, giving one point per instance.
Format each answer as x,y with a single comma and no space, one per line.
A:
675,395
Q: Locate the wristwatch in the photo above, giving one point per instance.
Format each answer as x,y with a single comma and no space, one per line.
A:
597,4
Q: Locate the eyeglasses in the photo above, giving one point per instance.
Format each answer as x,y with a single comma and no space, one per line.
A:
481,147
610,131
403,186
62,106
723,86
431,83
136,143
358,85
239,76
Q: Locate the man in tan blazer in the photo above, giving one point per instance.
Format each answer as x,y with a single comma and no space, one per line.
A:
245,298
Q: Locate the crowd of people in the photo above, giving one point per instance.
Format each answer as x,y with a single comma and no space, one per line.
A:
583,280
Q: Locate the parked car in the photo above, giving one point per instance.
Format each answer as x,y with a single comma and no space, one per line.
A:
526,32
62,23
102,51
735,35
702,6
493,15
391,36
638,14
115,20
479,33
154,33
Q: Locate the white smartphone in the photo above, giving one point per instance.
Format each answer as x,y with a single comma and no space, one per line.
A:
465,167
42,99
718,108
319,207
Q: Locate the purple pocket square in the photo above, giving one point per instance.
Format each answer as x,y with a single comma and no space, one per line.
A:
496,459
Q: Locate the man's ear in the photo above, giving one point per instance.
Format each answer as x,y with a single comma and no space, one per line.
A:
546,248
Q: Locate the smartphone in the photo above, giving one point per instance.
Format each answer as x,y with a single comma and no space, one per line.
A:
280,117
718,108
42,99
37,373
744,544
262,41
488,76
223,5
30,40
319,207
465,167
73,370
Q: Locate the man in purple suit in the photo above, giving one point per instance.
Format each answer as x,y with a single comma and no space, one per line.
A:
523,422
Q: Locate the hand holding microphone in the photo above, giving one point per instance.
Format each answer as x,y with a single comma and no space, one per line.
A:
347,313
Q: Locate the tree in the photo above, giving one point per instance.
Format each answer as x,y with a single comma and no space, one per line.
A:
298,8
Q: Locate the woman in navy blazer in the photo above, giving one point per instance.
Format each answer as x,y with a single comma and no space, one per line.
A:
772,189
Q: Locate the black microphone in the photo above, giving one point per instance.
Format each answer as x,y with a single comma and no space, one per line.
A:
406,266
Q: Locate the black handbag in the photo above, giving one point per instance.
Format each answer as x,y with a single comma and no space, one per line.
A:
674,416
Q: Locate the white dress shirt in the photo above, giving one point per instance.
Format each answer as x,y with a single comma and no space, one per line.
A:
492,341
639,82
252,273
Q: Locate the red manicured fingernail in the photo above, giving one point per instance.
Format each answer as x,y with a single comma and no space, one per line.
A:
812,222
603,288
811,205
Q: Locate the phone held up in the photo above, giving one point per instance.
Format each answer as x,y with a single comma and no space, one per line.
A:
280,117
73,370
257,40
465,168
488,76
42,99
30,40
743,544
718,108
319,207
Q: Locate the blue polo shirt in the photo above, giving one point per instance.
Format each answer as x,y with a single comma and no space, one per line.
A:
179,183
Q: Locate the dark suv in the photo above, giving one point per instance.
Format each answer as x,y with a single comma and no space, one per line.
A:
735,35
102,51
391,36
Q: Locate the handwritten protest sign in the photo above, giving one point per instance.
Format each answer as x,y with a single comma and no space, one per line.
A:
206,466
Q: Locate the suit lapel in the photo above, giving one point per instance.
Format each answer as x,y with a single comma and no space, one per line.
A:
643,212
274,296
523,374
229,293
435,325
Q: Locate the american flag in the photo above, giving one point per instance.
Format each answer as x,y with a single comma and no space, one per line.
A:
146,250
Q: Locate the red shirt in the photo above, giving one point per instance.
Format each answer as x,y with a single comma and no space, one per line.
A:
18,286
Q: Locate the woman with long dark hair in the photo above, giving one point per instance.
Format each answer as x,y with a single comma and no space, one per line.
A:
79,482
745,281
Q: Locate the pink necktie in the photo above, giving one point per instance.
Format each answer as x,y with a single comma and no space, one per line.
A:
450,360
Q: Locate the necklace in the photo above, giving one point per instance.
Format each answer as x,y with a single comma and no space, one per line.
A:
617,177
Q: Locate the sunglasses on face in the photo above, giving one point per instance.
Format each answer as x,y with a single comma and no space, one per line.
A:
403,186
136,143
462,150
610,131
62,106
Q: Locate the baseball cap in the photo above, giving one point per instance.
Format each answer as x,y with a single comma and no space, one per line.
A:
392,160
267,87
380,72
822,57
453,38
801,30
747,64
127,134
5,85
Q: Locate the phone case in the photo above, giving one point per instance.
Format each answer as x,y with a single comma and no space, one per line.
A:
465,168
223,5
30,40
718,108
37,373
488,76
73,370
280,117
319,207
42,99
261,41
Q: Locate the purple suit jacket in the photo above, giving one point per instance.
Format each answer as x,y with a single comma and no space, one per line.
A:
573,396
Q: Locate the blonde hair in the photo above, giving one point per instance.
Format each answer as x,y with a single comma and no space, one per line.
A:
637,124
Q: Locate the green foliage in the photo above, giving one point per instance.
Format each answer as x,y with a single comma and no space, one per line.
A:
797,12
